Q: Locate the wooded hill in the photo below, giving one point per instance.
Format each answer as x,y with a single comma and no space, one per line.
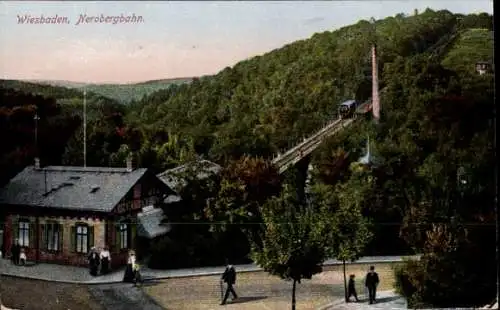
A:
269,102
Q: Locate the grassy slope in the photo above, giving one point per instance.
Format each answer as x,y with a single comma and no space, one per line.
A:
472,46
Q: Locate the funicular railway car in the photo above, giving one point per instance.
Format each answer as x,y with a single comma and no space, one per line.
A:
347,109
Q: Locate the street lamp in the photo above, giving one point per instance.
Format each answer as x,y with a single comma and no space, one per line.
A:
36,118
462,177
462,182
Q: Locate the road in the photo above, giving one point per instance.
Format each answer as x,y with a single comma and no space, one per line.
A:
122,296
259,290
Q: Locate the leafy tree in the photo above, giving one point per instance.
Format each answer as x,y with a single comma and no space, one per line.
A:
347,231
445,274
292,242
246,185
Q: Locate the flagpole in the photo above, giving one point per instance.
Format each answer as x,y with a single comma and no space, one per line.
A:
84,127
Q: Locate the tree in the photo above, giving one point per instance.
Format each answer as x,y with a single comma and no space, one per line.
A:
246,184
347,231
425,282
293,242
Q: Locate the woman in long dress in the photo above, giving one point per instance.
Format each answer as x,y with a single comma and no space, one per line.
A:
129,270
94,261
105,260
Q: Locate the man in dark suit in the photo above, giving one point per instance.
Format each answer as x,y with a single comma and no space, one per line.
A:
16,250
371,283
229,276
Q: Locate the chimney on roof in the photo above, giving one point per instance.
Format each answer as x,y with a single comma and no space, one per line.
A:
129,163
37,163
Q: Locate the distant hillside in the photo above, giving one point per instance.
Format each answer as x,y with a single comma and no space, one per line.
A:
45,90
124,93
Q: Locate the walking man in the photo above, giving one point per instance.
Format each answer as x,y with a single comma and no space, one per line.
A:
229,276
371,283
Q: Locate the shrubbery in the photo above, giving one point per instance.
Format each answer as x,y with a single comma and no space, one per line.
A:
454,271
197,250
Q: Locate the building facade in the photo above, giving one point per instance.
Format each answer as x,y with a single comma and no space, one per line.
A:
59,213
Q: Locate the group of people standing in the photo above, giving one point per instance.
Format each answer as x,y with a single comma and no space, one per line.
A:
100,259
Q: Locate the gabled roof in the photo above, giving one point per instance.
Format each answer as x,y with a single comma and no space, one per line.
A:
67,187
173,179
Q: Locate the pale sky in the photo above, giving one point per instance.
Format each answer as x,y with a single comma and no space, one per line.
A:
175,39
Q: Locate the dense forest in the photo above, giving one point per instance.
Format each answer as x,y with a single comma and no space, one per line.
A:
432,191
59,111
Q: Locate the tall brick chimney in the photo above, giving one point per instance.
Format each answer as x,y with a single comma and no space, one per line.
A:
375,94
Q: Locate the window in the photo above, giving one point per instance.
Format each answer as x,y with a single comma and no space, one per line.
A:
82,237
24,233
123,231
52,236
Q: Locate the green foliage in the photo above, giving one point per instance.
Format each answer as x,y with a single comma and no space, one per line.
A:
128,93
346,229
18,108
245,186
267,103
451,272
292,243
190,250
474,45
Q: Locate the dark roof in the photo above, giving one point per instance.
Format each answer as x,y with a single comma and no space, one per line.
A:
172,177
74,188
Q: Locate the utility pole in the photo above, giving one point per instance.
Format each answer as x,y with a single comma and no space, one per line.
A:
36,118
84,127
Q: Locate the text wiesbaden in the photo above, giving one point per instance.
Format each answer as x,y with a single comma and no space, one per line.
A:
83,19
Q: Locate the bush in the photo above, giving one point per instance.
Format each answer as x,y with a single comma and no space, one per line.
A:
198,250
453,271
168,254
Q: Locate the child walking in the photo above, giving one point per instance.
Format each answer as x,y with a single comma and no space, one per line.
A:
351,289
